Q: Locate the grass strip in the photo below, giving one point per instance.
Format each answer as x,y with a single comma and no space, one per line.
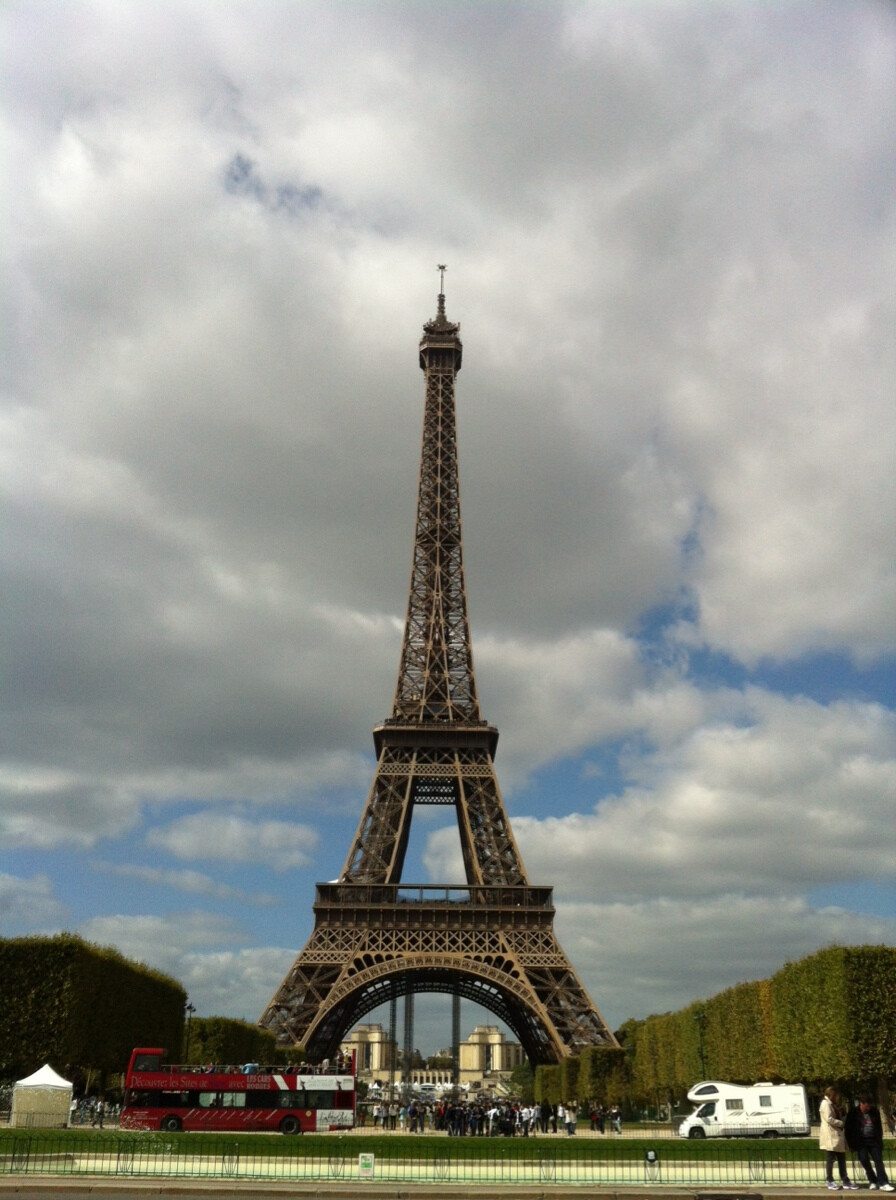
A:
398,1146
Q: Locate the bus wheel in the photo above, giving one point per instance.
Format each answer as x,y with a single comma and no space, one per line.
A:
289,1125
696,1132
171,1124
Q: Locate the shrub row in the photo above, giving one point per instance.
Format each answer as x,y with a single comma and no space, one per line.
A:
75,1005
830,1017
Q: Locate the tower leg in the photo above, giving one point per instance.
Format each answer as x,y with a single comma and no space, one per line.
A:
407,1057
455,1038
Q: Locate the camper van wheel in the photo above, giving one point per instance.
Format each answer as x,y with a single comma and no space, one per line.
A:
767,1133
171,1124
697,1132
289,1125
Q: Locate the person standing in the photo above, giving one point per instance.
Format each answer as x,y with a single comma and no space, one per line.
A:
865,1137
832,1139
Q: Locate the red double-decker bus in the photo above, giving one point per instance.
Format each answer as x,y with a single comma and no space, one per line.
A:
289,1099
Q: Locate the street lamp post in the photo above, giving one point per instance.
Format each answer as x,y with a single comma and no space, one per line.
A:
190,1009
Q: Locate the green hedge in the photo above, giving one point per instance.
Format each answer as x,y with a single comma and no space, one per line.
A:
603,1076
75,1005
222,1040
834,1016
828,1018
548,1084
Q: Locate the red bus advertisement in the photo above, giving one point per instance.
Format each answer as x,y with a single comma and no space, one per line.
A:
291,1099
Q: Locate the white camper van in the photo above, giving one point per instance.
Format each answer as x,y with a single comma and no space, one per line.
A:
731,1110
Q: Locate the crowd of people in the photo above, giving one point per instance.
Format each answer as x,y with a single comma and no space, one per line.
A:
93,1110
490,1118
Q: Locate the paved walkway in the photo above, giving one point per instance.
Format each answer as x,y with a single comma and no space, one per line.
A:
35,1188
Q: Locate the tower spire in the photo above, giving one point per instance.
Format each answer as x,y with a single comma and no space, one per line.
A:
441,268
435,673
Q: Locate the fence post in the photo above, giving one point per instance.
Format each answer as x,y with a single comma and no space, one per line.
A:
124,1161
21,1154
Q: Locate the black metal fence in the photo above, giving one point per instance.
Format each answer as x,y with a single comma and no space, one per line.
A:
429,1161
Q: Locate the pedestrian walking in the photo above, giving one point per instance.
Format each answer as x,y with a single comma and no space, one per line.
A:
832,1139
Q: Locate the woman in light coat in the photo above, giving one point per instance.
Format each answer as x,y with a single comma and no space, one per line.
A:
832,1139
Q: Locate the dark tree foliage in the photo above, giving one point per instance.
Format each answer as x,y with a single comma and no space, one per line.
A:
603,1076
547,1084
81,1007
522,1082
228,1042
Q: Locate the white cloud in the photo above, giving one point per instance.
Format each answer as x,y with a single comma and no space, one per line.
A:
206,953
709,857
158,940
674,276
236,982
557,698
45,809
280,845
28,905
658,955
782,796
194,882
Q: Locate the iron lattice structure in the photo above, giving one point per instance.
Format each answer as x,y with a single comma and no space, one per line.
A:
490,940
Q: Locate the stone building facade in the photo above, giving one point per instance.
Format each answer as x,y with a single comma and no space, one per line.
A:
487,1059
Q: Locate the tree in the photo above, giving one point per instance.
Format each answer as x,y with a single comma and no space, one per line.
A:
75,1005
223,1040
522,1082
440,1062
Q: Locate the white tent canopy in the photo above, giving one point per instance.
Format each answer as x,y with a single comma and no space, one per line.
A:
42,1100
46,1077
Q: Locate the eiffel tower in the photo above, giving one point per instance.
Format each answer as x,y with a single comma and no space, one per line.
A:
490,940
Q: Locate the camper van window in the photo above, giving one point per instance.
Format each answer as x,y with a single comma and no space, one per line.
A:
706,1110
708,1089
765,1101
734,1105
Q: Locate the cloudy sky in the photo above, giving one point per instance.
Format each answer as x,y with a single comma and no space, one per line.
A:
670,237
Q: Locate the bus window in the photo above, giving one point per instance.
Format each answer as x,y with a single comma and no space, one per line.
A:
147,1062
166,1099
